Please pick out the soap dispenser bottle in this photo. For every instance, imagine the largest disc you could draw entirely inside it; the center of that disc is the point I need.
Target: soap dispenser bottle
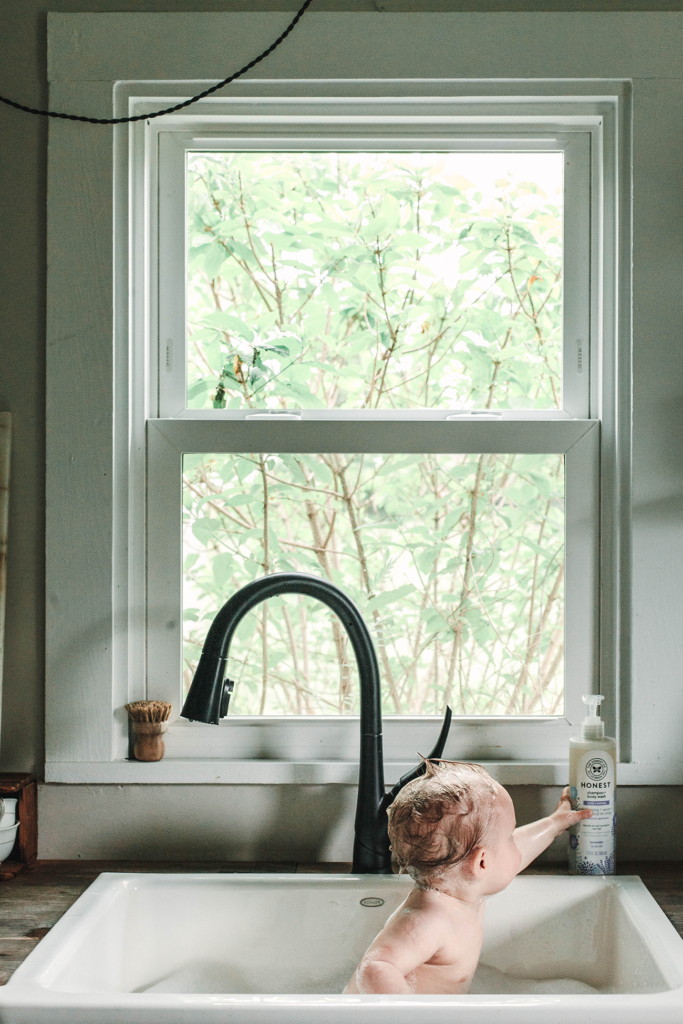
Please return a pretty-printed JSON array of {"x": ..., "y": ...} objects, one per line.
[{"x": 593, "y": 782}]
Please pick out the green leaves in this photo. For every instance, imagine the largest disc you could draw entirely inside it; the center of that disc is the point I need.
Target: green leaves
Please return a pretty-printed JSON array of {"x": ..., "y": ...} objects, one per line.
[
  {"x": 200, "y": 388},
  {"x": 223, "y": 566},
  {"x": 208, "y": 259},
  {"x": 467, "y": 615},
  {"x": 351, "y": 280},
  {"x": 231, "y": 323},
  {"x": 368, "y": 257},
  {"x": 204, "y": 529},
  {"x": 435, "y": 622},
  {"x": 390, "y": 596}
]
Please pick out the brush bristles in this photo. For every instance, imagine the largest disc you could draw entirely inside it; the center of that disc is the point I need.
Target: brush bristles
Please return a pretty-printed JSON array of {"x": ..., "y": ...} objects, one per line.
[{"x": 149, "y": 711}]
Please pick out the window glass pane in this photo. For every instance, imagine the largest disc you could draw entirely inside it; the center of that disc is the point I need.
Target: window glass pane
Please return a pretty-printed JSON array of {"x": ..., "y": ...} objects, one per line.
[
  {"x": 374, "y": 280},
  {"x": 456, "y": 562}
]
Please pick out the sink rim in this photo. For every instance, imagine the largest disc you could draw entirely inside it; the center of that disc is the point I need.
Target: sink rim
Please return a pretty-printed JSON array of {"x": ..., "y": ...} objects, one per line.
[{"x": 24, "y": 988}]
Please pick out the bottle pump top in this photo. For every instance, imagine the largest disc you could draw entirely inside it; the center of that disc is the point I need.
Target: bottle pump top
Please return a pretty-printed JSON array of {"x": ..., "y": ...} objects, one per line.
[{"x": 592, "y": 727}]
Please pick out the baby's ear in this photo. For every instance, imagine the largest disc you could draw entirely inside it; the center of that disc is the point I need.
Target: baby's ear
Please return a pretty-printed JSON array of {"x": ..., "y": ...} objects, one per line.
[{"x": 478, "y": 862}]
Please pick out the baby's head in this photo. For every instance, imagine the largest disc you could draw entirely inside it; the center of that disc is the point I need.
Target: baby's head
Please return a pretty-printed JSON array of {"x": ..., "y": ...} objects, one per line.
[{"x": 438, "y": 821}]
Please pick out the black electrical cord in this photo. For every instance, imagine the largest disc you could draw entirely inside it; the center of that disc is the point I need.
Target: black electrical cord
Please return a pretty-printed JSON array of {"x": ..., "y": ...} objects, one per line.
[{"x": 179, "y": 106}]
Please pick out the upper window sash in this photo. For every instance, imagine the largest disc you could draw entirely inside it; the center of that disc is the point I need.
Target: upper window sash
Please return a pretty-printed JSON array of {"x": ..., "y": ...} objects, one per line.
[{"x": 165, "y": 152}]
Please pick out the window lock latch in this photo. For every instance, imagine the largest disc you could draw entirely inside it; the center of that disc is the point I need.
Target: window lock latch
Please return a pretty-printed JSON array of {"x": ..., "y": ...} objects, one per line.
[
  {"x": 475, "y": 415},
  {"x": 276, "y": 415}
]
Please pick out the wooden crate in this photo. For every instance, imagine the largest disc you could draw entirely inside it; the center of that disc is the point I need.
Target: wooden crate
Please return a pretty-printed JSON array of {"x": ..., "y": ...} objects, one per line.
[{"x": 22, "y": 786}]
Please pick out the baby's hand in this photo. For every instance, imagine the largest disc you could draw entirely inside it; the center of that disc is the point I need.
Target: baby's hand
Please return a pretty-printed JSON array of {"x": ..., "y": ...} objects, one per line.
[{"x": 563, "y": 816}]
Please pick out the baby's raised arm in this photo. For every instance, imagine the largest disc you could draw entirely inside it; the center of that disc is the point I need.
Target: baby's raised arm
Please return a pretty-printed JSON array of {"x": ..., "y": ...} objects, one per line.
[
  {"x": 535, "y": 838},
  {"x": 411, "y": 937}
]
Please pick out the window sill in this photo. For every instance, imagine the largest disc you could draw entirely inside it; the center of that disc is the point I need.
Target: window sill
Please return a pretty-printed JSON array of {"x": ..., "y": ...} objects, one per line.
[{"x": 315, "y": 773}]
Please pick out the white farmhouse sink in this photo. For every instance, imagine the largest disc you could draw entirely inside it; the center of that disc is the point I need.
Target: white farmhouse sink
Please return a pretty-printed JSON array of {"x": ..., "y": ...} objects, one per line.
[{"x": 246, "y": 949}]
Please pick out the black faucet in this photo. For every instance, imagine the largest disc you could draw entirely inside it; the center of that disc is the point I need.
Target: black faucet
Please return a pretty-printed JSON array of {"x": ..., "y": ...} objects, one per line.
[{"x": 210, "y": 691}]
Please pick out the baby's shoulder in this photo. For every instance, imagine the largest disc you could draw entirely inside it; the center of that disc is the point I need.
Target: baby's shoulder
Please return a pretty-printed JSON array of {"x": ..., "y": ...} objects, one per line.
[
  {"x": 424, "y": 907},
  {"x": 435, "y": 906},
  {"x": 420, "y": 922}
]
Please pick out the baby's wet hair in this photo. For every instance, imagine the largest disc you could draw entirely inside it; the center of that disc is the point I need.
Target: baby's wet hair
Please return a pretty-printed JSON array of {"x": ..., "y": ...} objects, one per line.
[{"x": 438, "y": 819}]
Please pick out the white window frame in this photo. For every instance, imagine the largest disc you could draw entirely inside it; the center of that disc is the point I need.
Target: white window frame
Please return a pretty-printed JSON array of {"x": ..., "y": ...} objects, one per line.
[
  {"x": 529, "y": 751},
  {"x": 346, "y": 115}
]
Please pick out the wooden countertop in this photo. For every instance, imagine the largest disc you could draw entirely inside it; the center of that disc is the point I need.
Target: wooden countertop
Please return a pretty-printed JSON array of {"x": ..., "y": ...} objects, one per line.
[{"x": 35, "y": 900}]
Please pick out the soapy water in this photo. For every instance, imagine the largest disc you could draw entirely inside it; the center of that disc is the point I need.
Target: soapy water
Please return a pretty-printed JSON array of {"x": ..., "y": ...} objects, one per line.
[
  {"x": 218, "y": 977},
  {"x": 489, "y": 981}
]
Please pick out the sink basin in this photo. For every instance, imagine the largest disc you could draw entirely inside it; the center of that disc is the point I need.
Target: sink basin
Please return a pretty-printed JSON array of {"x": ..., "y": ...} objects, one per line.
[{"x": 250, "y": 949}]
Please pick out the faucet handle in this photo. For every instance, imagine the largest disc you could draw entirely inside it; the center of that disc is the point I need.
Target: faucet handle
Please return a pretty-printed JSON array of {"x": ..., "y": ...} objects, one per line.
[
  {"x": 420, "y": 769},
  {"x": 440, "y": 743},
  {"x": 228, "y": 687}
]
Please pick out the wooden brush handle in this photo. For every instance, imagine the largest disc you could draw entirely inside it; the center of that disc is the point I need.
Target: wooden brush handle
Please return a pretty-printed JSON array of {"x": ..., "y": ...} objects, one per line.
[{"x": 149, "y": 745}]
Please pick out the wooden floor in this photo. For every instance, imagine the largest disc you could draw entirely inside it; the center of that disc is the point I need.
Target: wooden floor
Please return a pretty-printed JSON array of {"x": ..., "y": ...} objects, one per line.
[{"x": 32, "y": 902}]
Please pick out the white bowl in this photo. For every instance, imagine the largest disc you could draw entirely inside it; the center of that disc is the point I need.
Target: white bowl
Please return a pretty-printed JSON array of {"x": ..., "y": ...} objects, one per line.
[
  {"x": 10, "y": 815},
  {"x": 7, "y": 837}
]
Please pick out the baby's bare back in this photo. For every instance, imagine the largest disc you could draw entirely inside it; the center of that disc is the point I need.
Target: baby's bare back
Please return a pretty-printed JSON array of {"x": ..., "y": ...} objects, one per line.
[{"x": 429, "y": 946}]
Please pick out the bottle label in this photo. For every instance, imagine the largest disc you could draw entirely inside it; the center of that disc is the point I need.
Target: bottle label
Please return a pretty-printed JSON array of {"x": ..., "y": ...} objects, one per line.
[{"x": 592, "y": 841}]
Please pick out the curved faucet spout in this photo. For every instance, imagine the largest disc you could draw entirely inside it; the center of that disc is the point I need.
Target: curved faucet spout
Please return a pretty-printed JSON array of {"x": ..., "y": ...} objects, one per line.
[{"x": 209, "y": 695}]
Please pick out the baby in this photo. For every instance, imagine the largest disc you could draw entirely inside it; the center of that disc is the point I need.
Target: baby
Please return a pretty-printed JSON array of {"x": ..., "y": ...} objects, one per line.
[{"x": 453, "y": 830}]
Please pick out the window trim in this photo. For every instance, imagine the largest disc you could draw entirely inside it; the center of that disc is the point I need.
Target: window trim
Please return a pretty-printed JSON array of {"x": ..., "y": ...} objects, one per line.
[
  {"x": 85, "y": 682},
  {"x": 280, "y": 119}
]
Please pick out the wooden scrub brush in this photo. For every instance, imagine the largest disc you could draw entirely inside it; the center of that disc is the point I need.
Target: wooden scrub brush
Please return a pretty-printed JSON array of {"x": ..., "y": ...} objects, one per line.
[{"x": 150, "y": 721}]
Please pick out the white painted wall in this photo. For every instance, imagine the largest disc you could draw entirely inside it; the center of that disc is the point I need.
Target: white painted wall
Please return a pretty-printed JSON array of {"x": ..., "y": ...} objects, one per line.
[
  {"x": 290, "y": 823},
  {"x": 315, "y": 823}
]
